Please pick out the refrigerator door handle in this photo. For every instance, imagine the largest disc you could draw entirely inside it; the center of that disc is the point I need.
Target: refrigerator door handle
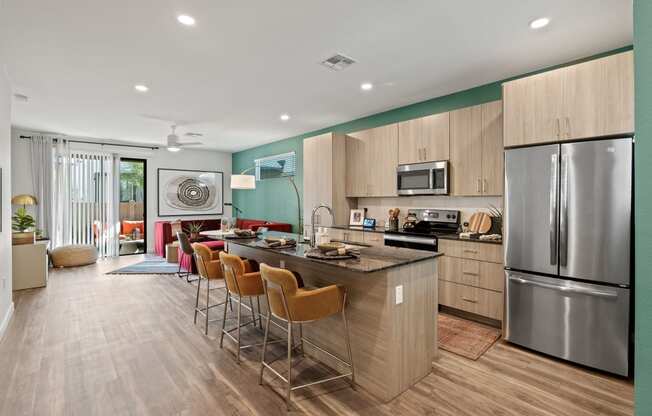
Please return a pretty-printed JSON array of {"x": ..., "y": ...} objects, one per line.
[
  {"x": 553, "y": 209},
  {"x": 565, "y": 289},
  {"x": 563, "y": 215}
]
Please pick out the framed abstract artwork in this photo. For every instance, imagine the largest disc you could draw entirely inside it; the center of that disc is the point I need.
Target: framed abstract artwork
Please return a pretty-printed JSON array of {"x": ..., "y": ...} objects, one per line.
[{"x": 190, "y": 192}]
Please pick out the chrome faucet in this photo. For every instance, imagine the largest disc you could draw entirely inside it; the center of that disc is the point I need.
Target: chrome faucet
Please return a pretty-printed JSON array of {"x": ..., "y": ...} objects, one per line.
[{"x": 312, "y": 221}]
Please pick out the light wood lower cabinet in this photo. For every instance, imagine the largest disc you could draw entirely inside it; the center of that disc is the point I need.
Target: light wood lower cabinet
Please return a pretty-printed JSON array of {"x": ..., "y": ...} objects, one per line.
[
  {"x": 471, "y": 277},
  {"x": 471, "y": 299}
]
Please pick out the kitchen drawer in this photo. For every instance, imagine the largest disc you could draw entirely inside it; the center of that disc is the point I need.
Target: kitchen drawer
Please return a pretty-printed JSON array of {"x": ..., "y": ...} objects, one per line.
[
  {"x": 472, "y": 250},
  {"x": 482, "y": 251},
  {"x": 471, "y": 299},
  {"x": 475, "y": 273},
  {"x": 374, "y": 239},
  {"x": 451, "y": 248}
]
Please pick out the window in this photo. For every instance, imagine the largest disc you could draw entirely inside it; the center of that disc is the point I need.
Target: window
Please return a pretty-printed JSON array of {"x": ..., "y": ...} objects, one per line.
[{"x": 276, "y": 166}]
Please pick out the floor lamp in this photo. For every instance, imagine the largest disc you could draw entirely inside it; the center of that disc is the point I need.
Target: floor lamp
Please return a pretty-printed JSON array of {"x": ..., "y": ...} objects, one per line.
[{"x": 244, "y": 181}]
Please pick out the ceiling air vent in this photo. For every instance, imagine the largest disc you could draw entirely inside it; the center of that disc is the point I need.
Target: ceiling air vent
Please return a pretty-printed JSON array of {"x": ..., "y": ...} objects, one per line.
[{"x": 338, "y": 62}]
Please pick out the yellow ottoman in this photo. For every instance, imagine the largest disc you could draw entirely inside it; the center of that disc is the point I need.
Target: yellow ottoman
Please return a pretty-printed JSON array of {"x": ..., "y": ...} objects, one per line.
[{"x": 74, "y": 255}]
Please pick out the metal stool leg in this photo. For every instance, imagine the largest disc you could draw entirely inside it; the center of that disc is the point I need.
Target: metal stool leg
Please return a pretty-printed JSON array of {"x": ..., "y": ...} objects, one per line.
[
  {"x": 260, "y": 312},
  {"x": 253, "y": 311},
  {"x": 262, "y": 358},
  {"x": 208, "y": 294},
  {"x": 348, "y": 348},
  {"x": 197, "y": 300},
  {"x": 239, "y": 323},
  {"x": 289, "y": 391},
  {"x": 228, "y": 300},
  {"x": 303, "y": 351}
]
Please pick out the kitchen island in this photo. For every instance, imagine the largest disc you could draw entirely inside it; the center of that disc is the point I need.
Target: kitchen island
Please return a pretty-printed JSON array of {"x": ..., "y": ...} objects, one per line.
[{"x": 393, "y": 340}]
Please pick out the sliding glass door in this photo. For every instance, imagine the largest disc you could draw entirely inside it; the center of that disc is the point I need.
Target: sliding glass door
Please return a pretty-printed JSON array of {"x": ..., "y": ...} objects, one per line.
[{"x": 133, "y": 208}]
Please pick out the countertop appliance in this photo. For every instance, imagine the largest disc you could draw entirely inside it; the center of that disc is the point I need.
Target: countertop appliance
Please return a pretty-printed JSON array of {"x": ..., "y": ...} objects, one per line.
[
  {"x": 568, "y": 228},
  {"x": 430, "y": 178},
  {"x": 423, "y": 234}
]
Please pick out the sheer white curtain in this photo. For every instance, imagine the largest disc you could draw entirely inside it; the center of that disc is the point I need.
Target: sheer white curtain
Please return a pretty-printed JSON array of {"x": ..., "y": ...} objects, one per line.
[
  {"x": 41, "y": 161},
  {"x": 86, "y": 191}
]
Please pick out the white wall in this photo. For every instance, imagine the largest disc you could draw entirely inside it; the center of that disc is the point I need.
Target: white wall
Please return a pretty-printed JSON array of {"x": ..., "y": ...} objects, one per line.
[
  {"x": 6, "y": 303},
  {"x": 186, "y": 159},
  {"x": 378, "y": 207}
]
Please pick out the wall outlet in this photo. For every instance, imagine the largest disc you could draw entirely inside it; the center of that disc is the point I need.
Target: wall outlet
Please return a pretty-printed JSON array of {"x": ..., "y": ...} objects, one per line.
[
  {"x": 399, "y": 294},
  {"x": 282, "y": 264}
]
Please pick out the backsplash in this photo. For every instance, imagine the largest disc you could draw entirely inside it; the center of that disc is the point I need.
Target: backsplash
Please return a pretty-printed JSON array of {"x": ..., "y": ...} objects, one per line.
[{"x": 378, "y": 207}]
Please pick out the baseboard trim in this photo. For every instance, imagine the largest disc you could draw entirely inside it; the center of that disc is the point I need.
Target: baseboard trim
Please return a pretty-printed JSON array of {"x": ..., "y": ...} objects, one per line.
[{"x": 5, "y": 321}]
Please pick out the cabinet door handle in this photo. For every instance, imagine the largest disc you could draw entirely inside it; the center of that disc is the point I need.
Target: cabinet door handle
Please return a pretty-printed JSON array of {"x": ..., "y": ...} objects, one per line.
[
  {"x": 479, "y": 186},
  {"x": 558, "y": 129},
  {"x": 471, "y": 273},
  {"x": 469, "y": 300},
  {"x": 568, "y": 127},
  {"x": 470, "y": 251},
  {"x": 425, "y": 153},
  {"x": 484, "y": 186}
]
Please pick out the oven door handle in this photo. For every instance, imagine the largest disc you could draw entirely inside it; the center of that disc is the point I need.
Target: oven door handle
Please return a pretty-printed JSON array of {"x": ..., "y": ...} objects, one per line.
[{"x": 411, "y": 239}]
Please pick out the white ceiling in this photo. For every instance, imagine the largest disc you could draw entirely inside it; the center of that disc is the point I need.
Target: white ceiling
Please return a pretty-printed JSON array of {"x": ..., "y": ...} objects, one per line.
[{"x": 247, "y": 62}]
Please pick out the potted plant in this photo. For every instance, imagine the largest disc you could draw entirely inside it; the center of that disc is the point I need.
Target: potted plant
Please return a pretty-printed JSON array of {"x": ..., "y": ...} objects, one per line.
[
  {"x": 194, "y": 229},
  {"x": 496, "y": 220},
  {"x": 23, "y": 227}
]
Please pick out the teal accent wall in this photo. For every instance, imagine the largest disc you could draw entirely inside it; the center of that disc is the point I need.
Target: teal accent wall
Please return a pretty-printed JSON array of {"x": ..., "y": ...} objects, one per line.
[
  {"x": 643, "y": 205},
  {"x": 274, "y": 199}
]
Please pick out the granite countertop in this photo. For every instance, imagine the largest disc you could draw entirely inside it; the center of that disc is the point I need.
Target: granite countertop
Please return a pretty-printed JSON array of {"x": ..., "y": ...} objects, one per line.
[{"x": 372, "y": 259}]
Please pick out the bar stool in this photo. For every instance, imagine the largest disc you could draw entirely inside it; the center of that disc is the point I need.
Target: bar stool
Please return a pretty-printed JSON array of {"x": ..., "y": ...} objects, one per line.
[
  {"x": 242, "y": 280},
  {"x": 290, "y": 303},
  {"x": 210, "y": 269},
  {"x": 186, "y": 249}
]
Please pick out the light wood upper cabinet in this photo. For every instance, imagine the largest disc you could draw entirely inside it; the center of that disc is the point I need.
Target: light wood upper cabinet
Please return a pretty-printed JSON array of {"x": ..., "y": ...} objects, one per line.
[
  {"x": 599, "y": 97},
  {"x": 466, "y": 151},
  {"x": 492, "y": 149},
  {"x": 590, "y": 99},
  {"x": 476, "y": 150},
  {"x": 424, "y": 139},
  {"x": 371, "y": 161},
  {"x": 324, "y": 178}
]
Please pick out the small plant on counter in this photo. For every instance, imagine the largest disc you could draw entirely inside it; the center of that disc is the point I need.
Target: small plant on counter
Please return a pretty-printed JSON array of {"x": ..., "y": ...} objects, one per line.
[
  {"x": 22, "y": 222},
  {"x": 496, "y": 220}
]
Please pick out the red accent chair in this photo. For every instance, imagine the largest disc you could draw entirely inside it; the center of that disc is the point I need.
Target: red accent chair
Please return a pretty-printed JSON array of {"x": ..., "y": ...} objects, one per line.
[{"x": 163, "y": 232}]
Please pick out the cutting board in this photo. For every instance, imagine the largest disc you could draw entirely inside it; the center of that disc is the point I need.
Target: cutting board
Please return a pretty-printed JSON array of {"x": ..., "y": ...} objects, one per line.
[{"x": 480, "y": 222}]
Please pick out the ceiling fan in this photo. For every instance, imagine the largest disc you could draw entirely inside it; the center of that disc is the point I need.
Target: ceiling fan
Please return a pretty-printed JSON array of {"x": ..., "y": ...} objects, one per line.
[{"x": 174, "y": 145}]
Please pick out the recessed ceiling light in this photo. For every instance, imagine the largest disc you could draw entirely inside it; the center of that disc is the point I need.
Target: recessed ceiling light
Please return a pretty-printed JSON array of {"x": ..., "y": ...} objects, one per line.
[
  {"x": 184, "y": 19},
  {"x": 285, "y": 117},
  {"x": 174, "y": 149},
  {"x": 539, "y": 23},
  {"x": 366, "y": 86},
  {"x": 141, "y": 88}
]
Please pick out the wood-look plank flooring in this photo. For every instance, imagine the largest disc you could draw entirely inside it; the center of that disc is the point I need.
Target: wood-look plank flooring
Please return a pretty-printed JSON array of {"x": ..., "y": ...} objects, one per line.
[{"x": 95, "y": 344}]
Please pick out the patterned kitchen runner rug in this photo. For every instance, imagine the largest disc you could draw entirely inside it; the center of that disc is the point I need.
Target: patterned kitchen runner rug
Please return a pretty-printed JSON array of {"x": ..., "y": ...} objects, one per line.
[{"x": 465, "y": 338}]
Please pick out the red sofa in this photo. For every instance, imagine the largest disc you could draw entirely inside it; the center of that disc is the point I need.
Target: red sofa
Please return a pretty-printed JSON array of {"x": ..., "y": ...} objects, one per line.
[{"x": 163, "y": 230}]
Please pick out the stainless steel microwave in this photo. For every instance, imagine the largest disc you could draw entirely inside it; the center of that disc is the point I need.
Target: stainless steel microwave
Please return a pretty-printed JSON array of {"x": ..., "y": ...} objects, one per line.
[{"x": 429, "y": 178}]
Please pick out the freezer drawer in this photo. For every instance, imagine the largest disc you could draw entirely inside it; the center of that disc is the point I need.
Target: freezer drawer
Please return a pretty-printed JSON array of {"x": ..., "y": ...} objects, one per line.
[{"x": 584, "y": 323}]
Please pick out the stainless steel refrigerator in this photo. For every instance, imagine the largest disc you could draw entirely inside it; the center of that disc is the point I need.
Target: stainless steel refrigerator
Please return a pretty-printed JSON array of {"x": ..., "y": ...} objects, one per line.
[{"x": 568, "y": 228}]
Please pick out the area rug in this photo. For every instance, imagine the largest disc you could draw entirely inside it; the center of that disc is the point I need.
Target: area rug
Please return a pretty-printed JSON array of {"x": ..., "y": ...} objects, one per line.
[
  {"x": 466, "y": 338},
  {"x": 151, "y": 265}
]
